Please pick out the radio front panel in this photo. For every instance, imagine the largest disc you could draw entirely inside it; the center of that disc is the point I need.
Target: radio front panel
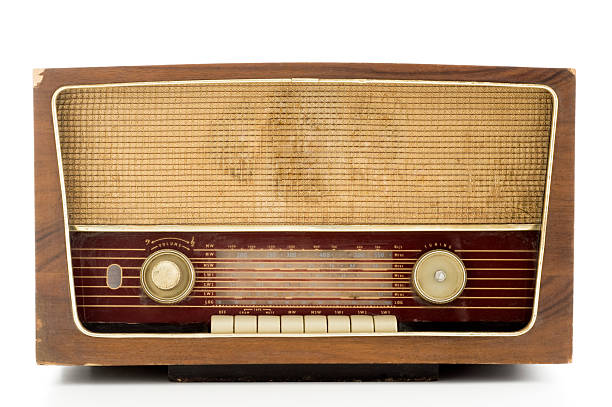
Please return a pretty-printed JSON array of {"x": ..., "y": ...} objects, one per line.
[
  {"x": 305, "y": 206},
  {"x": 306, "y": 273}
]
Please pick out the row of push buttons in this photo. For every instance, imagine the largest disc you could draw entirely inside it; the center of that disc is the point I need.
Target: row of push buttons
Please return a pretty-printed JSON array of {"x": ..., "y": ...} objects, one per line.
[{"x": 298, "y": 324}]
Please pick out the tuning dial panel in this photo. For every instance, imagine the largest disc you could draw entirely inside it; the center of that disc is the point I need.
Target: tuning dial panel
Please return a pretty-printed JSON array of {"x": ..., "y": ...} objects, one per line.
[
  {"x": 311, "y": 283},
  {"x": 439, "y": 276},
  {"x": 167, "y": 276}
]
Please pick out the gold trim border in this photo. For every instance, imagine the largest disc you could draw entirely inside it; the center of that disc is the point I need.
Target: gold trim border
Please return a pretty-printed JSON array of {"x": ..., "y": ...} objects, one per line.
[
  {"x": 302, "y": 228},
  {"x": 542, "y": 228}
]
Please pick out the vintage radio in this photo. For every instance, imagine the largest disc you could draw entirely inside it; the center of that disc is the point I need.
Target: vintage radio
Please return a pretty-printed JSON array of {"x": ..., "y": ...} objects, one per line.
[{"x": 300, "y": 216}]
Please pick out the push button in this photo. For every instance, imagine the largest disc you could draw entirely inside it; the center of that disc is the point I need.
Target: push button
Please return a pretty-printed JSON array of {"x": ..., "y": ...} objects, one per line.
[
  {"x": 222, "y": 324},
  {"x": 315, "y": 324},
  {"x": 385, "y": 323},
  {"x": 268, "y": 324},
  {"x": 292, "y": 324},
  {"x": 362, "y": 324},
  {"x": 245, "y": 324},
  {"x": 338, "y": 324}
]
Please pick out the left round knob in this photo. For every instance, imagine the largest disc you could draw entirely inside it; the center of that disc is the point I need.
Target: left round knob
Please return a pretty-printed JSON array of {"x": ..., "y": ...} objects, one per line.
[{"x": 167, "y": 276}]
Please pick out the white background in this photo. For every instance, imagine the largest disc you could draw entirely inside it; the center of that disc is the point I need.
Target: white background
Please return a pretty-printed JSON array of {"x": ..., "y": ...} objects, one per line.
[{"x": 517, "y": 33}]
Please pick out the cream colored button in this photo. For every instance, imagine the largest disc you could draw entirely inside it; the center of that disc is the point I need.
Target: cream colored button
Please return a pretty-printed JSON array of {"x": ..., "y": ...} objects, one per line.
[
  {"x": 338, "y": 324},
  {"x": 362, "y": 324},
  {"x": 292, "y": 324},
  {"x": 268, "y": 324},
  {"x": 385, "y": 323},
  {"x": 245, "y": 324},
  {"x": 222, "y": 324},
  {"x": 315, "y": 324}
]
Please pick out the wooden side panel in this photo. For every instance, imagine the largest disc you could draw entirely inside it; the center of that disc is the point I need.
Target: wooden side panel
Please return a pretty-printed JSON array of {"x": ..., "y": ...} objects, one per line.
[{"x": 59, "y": 342}]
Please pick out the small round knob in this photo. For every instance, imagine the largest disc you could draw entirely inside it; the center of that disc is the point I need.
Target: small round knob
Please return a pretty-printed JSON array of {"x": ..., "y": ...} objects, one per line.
[
  {"x": 439, "y": 276},
  {"x": 167, "y": 276}
]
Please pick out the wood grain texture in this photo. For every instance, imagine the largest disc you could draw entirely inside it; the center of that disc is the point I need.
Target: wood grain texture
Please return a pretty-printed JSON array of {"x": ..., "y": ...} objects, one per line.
[{"x": 59, "y": 342}]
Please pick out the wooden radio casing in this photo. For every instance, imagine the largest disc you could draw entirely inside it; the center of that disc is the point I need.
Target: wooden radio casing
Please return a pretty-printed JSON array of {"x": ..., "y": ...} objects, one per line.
[{"x": 58, "y": 341}]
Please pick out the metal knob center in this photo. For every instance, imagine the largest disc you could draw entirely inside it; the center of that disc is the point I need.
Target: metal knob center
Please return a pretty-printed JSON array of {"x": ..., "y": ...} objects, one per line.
[{"x": 440, "y": 276}]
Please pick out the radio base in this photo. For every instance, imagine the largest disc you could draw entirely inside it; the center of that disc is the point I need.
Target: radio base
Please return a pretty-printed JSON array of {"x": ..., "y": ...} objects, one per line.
[{"x": 305, "y": 373}]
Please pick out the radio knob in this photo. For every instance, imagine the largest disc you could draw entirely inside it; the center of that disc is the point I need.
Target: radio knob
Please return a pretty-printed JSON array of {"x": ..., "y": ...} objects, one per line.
[
  {"x": 167, "y": 276},
  {"x": 439, "y": 276}
]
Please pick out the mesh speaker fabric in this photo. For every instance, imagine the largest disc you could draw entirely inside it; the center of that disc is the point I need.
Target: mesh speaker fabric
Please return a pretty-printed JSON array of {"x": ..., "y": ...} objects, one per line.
[{"x": 304, "y": 153}]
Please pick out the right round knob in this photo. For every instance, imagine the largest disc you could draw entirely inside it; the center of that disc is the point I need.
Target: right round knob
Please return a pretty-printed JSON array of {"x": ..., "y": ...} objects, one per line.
[{"x": 439, "y": 276}]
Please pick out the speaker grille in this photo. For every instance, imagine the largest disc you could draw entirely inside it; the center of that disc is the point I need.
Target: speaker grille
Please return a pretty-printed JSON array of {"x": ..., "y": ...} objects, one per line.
[{"x": 304, "y": 153}]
